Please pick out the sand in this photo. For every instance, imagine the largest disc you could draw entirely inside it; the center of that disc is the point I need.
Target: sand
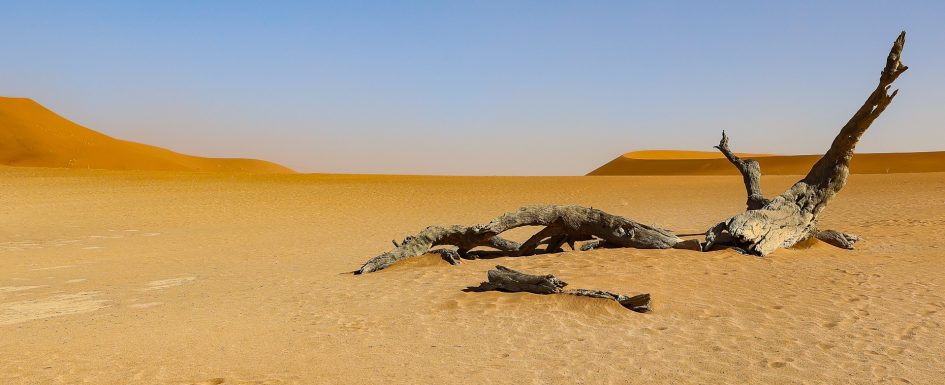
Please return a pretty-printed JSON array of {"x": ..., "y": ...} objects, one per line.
[
  {"x": 179, "y": 278},
  {"x": 670, "y": 162},
  {"x": 32, "y": 135}
]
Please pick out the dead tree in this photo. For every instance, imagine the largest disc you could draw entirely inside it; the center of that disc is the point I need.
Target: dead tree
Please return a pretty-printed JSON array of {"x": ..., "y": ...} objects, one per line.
[
  {"x": 562, "y": 225},
  {"x": 766, "y": 225},
  {"x": 508, "y": 280},
  {"x": 791, "y": 217},
  {"x": 751, "y": 174}
]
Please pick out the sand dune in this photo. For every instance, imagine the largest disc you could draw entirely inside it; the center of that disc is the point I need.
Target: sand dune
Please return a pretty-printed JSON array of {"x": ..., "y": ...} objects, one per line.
[
  {"x": 190, "y": 278},
  {"x": 668, "y": 162},
  {"x": 682, "y": 154},
  {"x": 31, "y": 135}
]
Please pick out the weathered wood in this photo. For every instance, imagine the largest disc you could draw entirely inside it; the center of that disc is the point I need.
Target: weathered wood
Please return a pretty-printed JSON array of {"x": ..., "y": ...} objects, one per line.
[
  {"x": 751, "y": 174},
  {"x": 462, "y": 237},
  {"x": 639, "y": 303},
  {"x": 582, "y": 222},
  {"x": 836, "y": 238},
  {"x": 792, "y": 216},
  {"x": 562, "y": 224},
  {"x": 505, "y": 279}
]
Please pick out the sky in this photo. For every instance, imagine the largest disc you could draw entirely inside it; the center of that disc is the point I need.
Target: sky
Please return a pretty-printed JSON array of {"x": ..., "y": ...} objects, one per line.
[{"x": 475, "y": 87}]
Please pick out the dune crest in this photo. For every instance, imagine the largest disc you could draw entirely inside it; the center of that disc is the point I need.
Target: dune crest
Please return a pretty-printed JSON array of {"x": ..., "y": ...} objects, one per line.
[
  {"x": 683, "y": 154},
  {"x": 669, "y": 162},
  {"x": 34, "y": 136}
]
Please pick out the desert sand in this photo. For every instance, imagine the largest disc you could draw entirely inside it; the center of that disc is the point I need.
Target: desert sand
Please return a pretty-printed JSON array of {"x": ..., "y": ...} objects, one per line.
[
  {"x": 32, "y": 135},
  {"x": 670, "y": 162},
  {"x": 137, "y": 277}
]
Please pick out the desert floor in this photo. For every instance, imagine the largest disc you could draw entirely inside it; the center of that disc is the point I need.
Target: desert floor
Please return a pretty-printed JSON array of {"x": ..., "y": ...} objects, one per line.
[{"x": 154, "y": 278}]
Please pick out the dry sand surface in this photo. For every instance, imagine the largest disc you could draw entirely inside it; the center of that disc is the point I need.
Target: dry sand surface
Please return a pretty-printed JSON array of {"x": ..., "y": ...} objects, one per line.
[
  {"x": 113, "y": 277},
  {"x": 670, "y": 162},
  {"x": 32, "y": 135}
]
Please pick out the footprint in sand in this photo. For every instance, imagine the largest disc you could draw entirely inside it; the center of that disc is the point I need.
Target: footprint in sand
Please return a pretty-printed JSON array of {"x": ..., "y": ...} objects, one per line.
[
  {"x": 57, "y": 305},
  {"x": 166, "y": 283}
]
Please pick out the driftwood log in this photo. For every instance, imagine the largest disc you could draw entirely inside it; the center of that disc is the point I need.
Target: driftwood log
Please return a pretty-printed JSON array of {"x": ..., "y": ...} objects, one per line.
[
  {"x": 562, "y": 225},
  {"x": 791, "y": 217},
  {"x": 765, "y": 226},
  {"x": 508, "y": 280}
]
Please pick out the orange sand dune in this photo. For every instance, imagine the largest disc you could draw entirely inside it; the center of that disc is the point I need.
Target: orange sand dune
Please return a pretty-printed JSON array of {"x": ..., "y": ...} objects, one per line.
[
  {"x": 665, "y": 162},
  {"x": 32, "y": 135},
  {"x": 682, "y": 154}
]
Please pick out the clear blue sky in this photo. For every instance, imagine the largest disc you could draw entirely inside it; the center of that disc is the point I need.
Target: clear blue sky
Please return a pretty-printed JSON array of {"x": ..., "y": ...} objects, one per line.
[{"x": 475, "y": 87}]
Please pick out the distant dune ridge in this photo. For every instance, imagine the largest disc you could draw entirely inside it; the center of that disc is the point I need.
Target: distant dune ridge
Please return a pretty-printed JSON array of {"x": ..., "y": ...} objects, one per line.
[
  {"x": 32, "y": 135},
  {"x": 669, "y": 162}
]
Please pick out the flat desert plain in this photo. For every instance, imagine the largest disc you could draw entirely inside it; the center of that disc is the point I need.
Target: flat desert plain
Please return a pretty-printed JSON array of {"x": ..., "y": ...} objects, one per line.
[{"x": 135, "y": 277}]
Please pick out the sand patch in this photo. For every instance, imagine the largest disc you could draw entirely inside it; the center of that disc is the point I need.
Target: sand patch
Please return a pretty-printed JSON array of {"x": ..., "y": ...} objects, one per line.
[
  {"x": 166, "y": 283},
  {"x": 212, "y": 381},
  {"x": 57, "y": 305},
  {"x": 145, "y": 305},
  {"x": 52, "y": 268},
  {"x": 10, "y": 289},
  {"x": 271, "y": 253},
  {"x": 20, "y": 245},
  {"x": 105, "y": 236}
]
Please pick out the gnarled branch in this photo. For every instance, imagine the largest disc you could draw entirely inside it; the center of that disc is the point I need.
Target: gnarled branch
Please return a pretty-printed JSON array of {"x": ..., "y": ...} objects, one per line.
[
  {"x": 563, "y": 224},
  {"x": 751, "y": 174}
]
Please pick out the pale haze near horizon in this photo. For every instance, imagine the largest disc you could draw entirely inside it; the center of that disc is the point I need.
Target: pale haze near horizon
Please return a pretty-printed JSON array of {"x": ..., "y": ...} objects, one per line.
[{"x": 475, "y": 88}]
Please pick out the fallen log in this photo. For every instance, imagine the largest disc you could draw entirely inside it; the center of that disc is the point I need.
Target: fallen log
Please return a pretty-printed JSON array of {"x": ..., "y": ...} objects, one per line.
[
  {"x": 562, "y": 225},
  {"x": 508, "y": 280}
]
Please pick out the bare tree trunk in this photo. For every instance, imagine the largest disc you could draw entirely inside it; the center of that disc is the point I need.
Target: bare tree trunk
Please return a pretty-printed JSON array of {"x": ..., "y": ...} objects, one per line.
[
  {"x": 751, "y": 174},
  {"x": 792, "y": 216},
  {"x": 505, "y": 279}
]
